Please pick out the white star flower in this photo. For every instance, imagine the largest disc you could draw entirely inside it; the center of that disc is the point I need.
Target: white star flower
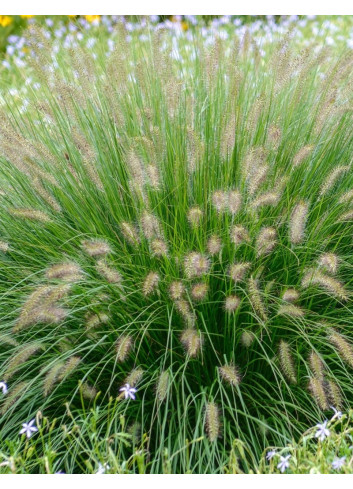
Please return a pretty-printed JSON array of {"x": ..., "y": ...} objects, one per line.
[
  {"x": 284, "y": 464},
  {"x": 270, "y": 454},
  {"x": 29, "y": 428},
  {"x": 338, "y": 463},
  {"x": 128, "y": 391},
  {"x": 337, "y": 414},
  {"x": 102, "y": 468},
  {"x": 3, "y": 387},
  {"x": 322, "y": 432}
]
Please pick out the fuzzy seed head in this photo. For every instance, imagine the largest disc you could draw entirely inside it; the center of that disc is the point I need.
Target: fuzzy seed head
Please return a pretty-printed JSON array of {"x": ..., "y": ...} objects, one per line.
[
  {"x": 234, "y": 202},
  {"x": 287, "y": 363},
  {"x": 329, "y": 262},
  {"x": 70, "y": 365},
  {"x": 111, "y": 275},
  {"x": 274, "y": 136},
  {"x": 256, "y": 299},
  {"x": 332, "y": 286},
  {"x": 316, "y": 366},
  {"x": 220, "y": 200},
  {"x": 183, "y": 307},
  {"x": 214, "y": 245},
  {"x": 290, "y": 295},
  {"x": 52, "y": 377},
  {"x": 150, "y": 225},
  {"x": 69, "y": 272},
  {"x": 191, "y": 340},
  {"x": 130, "y": 233},
  {"x": 30, "y": 214},
  {"x": 344, "y": 348},
  {"x": 267, "y": 198},
  {"x": 332, "y": 178},
  {"x": 95, "y": 320},
  {"x": 4, "y": 247},
  {"x": 123, "y": 347},
  {"x": 256, "y": 179},
  {"x": 162, "y": 386},
  {"x": 159, "y": 247},
  {"x": 213, "y": 424},
  {"x": 134, "y": 377},
  {"x": 153, "y": 176},
  {"x": 298, "y": 222},
  {"x": 266, "y": 241},
  {"x": 247, "y": 338},
  {"x": 20, "y": 358},
  {"x": 150, "y": 284},
  {"x": 346, "y": 197},
  {"x": 231, "y": 304},
  {"x": 346, "y": 216},
  {"x": 334, "y": 394},
  {"x": 290, "y": 310},
  {"x": 230, "y": 374},
  {"x": 237, "y": 271},
  {"x": 199, "y": 291},
  {"x": 176, "y": 290},
  {"x": 302, "y": 155},
  {"x": 317, "y": 390},
  {"x": 88, "y": 391},
  {"x": 196, "y": 265},
  {"x": 194, "y": 216},
  {"x": 96, "y": 247}
]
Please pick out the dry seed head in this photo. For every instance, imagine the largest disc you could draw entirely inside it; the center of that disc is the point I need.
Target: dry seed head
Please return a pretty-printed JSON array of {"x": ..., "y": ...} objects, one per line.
[
  {"x": 153, "y": 176},
  {"x": 302, "y": 155},
  {"x": 344, "y": 348},
  {"x": 30, "y": 308},
  {"x": 88, "y": 391},
  {"x": 191, "y": 341},
  {"x": 46, "y": 196},
  {"x": 95, "y": 320},
  {"x": 346, "y": 197},
  {"x": 287, "y": 362},
  {"x": 183, "y": 307},
  {"x": 247, "y": 338},
  {"x": 70, "y": 272},
  {"x": 232, "y": 303},
  {"x": 111, "y": 275},
  {"x": 176, "y": 290},
  {"x": 238, "y": 235},
  {"x": 136, "y": 168},
  {"x": 130, "y": 233},
  {"x": 51, "y": 377},
  {"x": 196, "y": 265},
  {"x": 297, "y": 223},
  {"x": 57, "y": 293},
  {"x": 4, "y": 247},
  {"x": 329, "y": 261},
  {"x": 13, "y": 396},
  {"x": 237, "y": 271},
  {"x": 31, "y": 214},
  {"x": 162, "y": 386},
  {"x": 220, "y": 200},
  {"x": 150, "y": 283},
  {"x": 347, "y": 216},
  {"x": 213, "y": 424},
  {"x": 334, "y": 394},
  {"x": 267, "y": 198},
  {"x": 150, "y": 225},
  {"x": 256, "y": 178},
  {"x": 256, "y": 299},
  {"x": 234, "y": 201},
  {"x": 290, "y": 310},
  {"x": 70, "y": 365},
  {"x": 50, "y": 315},
  {"x": 266, "y": 241},
  {"x": 230, "y": 374},
  {"x": 316, "y": 388},
  {"x": 22, "y": 355},
  {"x": 316, "y": 366},
  {"x": 123, "y": 347},
  {"x": 274, "y": 136},
  {"x": 96, "y": 247},
  {"x": 6, "y": 339},
  {"x": 290, "y": 295},
  {"x": 332, "y": 178},
  {"x": 199, "y": 291},
  {"x": 159, "y": 247},
  {"x": 214, "y": 245},
  {"x": 134, "y": 377},
  {"x": 194, "y": 216},
  {"x": 331, "y": 285}
]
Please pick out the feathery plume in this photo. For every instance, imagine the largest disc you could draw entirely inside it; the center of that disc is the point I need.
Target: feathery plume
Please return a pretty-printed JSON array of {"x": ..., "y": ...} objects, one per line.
[
  {"x": 183, "y": 307},
  {"x": 31, "y": 214},
  {"x": 266, "y": 241},
  {"x": 247, "y": 338},
  {"x": 196, "y": 265},
  {"x": 290, "y": 310},
  {"x": 95, "y": 320},
  {"x": 30, "y": 307},
  {"x": 88, "y": 391},
  {"x": 274, "y": 136},
  {"x": 194, "y": 216},
  {"x": 162, "y": 386},
  {"x": 347, "y": 216},
  {"x": 316, "y": 366},
  {"x": 256, "y": 178},
  {"x": 220, "y": 200},
  {"x": 290, "y": 295},
  {"x": 234, "y": 201},
  {"x": 287, "y": 362},
  {"x": 134, "y": 377},
  {"x": 237, "y": 271},
  {"x": 6, "y": 339},
  {"x": 22, "y": 355},
  {"x": 238, "y": 235},
  {"x": 4, "y": 247},
  {"x": 96, "y": 247},
  {"x": 317, "y": 390},
  {"x": 69, "y": 272},
  {"x": 153, "y": 176},
  {"x": 52, "y": 377},
  {"x": 332, "y": 178},
  {"x": 192, "y": 341},
  {"x": 302, "y": 155},
  {"x": 256, "y": 299},
  {"x": 346, "y": 197},
  {"x": 176, "y": 290},
  {"x": 344, "y": 348},
  {"x": 213, "y": 424},
  {"x": 329, "y": 261},
  {"x": 150, "y": 283},
  {"x": 46, "y": 196},
  {"x": 159, "y": 247},
  {"x": 130, "y": 233},
  {"x": 150, "y": 225},
  {"x": 123, "y": 347},
  {"x": 136, "y": 168},
  {"x": 111, "y": 275},
  {"x": 232, "y": 303},
  {"x": 230, "y": 374},
  {"x": 297, "y": 223},
  {"x": 69, "y": 367},
  {"x": 334, "y": 394},
  {"x": 13, "y": 396},
  {"x": 214, "y": 245},
  {"x": 199, "y": 291},
  {"x": 331, "y": 285},
  {"x": 267, "y": 198}
]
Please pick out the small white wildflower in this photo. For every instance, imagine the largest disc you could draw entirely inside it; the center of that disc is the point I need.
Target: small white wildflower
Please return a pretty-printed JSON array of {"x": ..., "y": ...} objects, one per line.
[
  {"x": 322, "y": 432},
  {"x": 270, "y": 454},
  {"x": 284, "y": 464},
  {"x": 128, "y": 391},
  {"x": 29, "y": 428},
  {"x": 338, "y": 463},
  {"x": 102, "y": 468},
  {"x": 3, "y": 387},
  {"x": 337, "y": 414}
]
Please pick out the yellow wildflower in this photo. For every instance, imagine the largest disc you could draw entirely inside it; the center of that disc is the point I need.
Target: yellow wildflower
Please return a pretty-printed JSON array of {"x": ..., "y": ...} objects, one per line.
[
  {"x": 5, "y": 20},
  {"x": 93, "y": 18}
]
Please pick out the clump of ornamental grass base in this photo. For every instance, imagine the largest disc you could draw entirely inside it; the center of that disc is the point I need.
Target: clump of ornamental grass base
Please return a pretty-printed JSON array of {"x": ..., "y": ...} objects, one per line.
[{"x": 183, "y": 226}]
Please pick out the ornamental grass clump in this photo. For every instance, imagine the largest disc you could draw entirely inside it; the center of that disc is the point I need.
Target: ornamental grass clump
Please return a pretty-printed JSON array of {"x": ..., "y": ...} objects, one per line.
[{"x": 192, "y": 238}]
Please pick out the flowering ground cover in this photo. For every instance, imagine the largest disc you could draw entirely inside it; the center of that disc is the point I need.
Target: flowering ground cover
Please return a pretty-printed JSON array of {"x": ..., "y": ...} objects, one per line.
[{"x": 175, "y": 246}]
